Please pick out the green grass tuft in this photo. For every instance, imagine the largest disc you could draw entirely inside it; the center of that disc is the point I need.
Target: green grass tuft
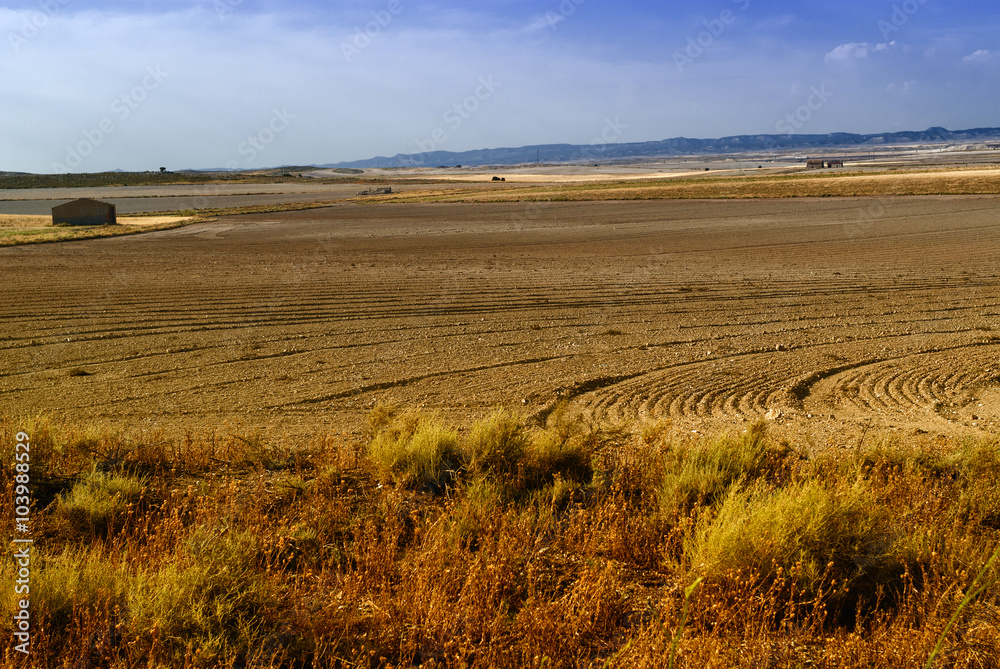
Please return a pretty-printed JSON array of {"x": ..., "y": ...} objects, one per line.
[
  {"x": 417, "y": 448},
  {"x": 97, "y": 501},
  {"x": 704, "y": 472},
  {"x": 496, "y": 446},
  {"x": 818, "y": 538},
  {"x": 214, "y": 598}
]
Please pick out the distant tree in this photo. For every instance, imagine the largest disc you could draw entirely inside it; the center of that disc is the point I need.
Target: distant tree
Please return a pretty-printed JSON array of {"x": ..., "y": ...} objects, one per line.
[{"x": 162, "y": 170}]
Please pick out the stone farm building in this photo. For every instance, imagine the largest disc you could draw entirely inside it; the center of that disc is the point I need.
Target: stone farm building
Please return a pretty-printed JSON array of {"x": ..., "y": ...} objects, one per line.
[
  {"x": 84, "y": 212},
  {"x": 818, "y": 164}
]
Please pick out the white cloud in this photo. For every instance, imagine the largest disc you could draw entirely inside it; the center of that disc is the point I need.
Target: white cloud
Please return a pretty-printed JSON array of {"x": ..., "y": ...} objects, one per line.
[
  {"x": 852, "y": 51},
  {"x": 983, "y": 57}
]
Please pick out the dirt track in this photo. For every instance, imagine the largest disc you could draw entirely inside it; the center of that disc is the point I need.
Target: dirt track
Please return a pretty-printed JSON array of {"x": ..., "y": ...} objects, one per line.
[{"x": 825, "y": 314}]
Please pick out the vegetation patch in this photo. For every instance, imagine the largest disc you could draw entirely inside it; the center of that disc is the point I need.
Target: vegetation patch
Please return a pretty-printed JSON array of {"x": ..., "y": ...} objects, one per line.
[{"x": 505, "y": 544}]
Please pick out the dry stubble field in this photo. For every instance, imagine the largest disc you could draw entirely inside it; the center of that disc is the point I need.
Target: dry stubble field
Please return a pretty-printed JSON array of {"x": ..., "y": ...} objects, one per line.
[{"x": 829, "y": 316}]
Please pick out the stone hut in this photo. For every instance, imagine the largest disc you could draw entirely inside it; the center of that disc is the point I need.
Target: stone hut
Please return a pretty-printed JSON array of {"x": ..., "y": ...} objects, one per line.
[
  {"x": 84, "y": 212},
  {"x": 815, "y": 164},
  {"x": 835, "y": 163}
]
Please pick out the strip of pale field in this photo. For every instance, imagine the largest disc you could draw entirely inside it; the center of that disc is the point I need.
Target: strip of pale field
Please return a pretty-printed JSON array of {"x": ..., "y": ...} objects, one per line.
[
  {"x": 15, "y": 229},
  {"x": 889, "y": 184},
  {"x": 20, "y": 229}
]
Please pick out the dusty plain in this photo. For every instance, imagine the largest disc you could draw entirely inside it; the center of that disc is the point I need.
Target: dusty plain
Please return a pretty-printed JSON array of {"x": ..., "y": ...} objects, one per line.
[{"x": 831, "y": 317}]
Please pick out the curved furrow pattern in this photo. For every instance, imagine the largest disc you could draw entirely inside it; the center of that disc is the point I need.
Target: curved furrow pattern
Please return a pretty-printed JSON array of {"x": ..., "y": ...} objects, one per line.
[
  {"x": 746, "y": 385},
  {"x": 915, "y": 386}
]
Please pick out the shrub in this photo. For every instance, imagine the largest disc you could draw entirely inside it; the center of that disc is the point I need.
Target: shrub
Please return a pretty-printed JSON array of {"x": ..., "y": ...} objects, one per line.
[
  {"x": 70, "y": 584},
  {"x": 417, "y": 448},
  {"x": 480, "y": 500},
  {"x": 214, "y": 598},
  {"x": 551, "y": 457},
  {"x": 819, "y": 538},
  {"x": 704, "y": 473},
  {"x": 496, "y": 446},
  {"x": 99, "y": 500},
  {"x": 566, "y": 448},
  {"x": 979, "y": 469}
]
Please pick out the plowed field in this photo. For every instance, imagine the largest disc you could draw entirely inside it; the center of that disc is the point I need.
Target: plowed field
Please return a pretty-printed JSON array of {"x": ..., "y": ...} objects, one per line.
[{"x": 828, "y": 316}]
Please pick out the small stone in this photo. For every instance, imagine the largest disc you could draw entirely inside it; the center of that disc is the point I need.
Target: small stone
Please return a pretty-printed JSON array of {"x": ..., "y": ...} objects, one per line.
[{"x": 780, "y": 347}]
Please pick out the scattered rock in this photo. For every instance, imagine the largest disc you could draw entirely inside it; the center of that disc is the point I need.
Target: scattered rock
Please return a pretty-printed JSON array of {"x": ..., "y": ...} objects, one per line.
[
  {"x": 780, "y": 347},
  {"x": 773, "y": 414}
]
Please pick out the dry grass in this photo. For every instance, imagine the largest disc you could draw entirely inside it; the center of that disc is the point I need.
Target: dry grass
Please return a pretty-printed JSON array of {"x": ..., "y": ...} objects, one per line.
[
  {"x": 15, "y": 230},
  {"x": 847, "y": 184},
  {"x": 153, "y": 220},
  {"x": 546, "y": 546},
  {"x": 24, "y": 221}
]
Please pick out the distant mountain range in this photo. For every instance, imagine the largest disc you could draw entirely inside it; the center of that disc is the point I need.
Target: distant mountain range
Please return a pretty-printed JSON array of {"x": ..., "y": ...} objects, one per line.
[{"x": 679, "y": 146}]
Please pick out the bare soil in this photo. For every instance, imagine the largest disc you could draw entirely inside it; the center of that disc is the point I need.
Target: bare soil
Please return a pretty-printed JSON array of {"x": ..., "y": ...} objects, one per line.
[{"x": 832, "y": 317}]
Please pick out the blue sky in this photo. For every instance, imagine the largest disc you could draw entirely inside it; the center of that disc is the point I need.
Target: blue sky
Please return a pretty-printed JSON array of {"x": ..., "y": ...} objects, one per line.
[{"x": 119, "y": 84}]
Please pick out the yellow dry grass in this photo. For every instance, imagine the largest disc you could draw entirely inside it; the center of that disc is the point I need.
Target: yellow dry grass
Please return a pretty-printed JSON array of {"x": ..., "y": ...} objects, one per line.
[
  {"x": 152, "y": 220},
  {"x": 23, "y": 221},
  {"x": 26, "y": 229},
  {"x": 883, "y": 184},
  {"x": 570, "y": 546}
]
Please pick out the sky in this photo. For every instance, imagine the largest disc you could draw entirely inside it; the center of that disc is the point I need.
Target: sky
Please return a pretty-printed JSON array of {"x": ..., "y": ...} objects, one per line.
[{"x": 138, "y": 84}]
